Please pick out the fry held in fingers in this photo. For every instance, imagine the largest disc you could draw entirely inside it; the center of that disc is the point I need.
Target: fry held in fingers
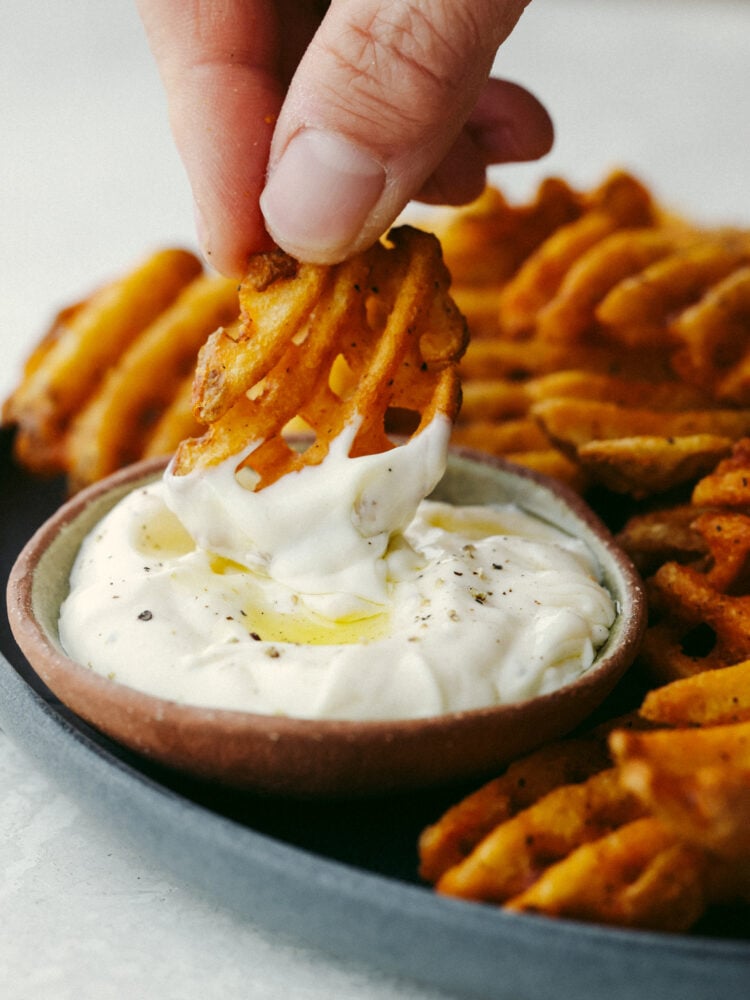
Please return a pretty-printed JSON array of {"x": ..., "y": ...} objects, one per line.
[{"x": 385, "y": 314}]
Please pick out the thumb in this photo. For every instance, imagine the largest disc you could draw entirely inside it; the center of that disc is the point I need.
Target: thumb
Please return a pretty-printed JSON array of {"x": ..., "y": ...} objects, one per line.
[{"x": 379, "y": 101}]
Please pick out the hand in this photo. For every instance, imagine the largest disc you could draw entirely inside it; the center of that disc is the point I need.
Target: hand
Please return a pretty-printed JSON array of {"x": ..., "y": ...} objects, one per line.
[{"x": 317, "y": 123}]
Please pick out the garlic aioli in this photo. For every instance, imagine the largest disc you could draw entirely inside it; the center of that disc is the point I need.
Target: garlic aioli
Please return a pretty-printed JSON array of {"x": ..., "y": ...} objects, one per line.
[{"x": 337, "y": 592}]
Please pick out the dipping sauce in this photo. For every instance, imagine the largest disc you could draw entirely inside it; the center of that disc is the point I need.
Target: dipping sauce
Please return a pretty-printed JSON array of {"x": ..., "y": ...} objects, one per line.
[{"x": 337, "y": 592}]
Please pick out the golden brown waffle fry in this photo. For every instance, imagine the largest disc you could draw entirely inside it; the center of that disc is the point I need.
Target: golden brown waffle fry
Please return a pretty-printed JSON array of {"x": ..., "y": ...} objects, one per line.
[
  {"x": 697, "y": 781},
  {"x": 551, "y": 462},
  {"x": 114, "y": 427},
  {"x": 640, "y": 875},
  {"x": 714, "y": 339},
  {"x": 663, "y": 535},
  {"x": 573, "y": 422},
  {"x": 729, "y": 484},
  {"x": 449, "y": 841},
  {"x": 516, "y": 852},
  {"x": 523, "y": 434},
  {"x": 486, "y": 242},
  {"x": 713, "y": 697},
  {"x": 644, "y": 465},
  {"x": 84, "y": 343},
  {"x": 621, "y": 203},
  {"x": 702, "y": 615},
  {"x": 638, "y": 310},
  {"x": 572, "y": 311},
  {"x": 386, "y": 312}
]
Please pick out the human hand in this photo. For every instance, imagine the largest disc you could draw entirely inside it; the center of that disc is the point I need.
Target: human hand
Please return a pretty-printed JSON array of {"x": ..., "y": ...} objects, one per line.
[{"x": 316, "y": 123}]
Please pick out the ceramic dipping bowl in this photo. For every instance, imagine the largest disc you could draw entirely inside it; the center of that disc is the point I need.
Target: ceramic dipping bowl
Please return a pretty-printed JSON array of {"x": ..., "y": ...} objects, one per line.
[{"x": 310, "y": 758}]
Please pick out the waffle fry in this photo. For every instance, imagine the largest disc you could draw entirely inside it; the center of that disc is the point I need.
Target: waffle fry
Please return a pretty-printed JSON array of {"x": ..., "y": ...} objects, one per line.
[
  {"x": 516, "y": 852},
  {"x": 620, "y": 287},
  {"x": 573, "y": 310},
  {"x": 115, "y": 425},
  {"x": 621, "y": 203},
  {"x": 176, "y": 423},
  {"x": 696, "y": 781},
  {"x": 452, "y": 839},
  {"x": 386, "y": 312},
  {"x": 701, "y": 615},
  {"x": 84, "y": 343},
  {"x": 644, "y": 465},
  {"x": 637, "y": 311},
  {"x": 663, "y": 535},
  {"x": 488, "y": 241},
  {"x": 640, "y": 875},
  {"x": 714, "y": 339},
  {"x": 729, "y": 483},
  {"x": 710, "y": 698}
]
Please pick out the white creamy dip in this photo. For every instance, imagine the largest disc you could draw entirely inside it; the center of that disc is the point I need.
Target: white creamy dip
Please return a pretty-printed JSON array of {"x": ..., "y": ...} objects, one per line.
[{"x": 336, "y": 592}]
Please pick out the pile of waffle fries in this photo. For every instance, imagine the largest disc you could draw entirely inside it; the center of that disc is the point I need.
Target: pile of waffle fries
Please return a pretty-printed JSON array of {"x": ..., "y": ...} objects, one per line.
[{"x": 610, "y": 347}]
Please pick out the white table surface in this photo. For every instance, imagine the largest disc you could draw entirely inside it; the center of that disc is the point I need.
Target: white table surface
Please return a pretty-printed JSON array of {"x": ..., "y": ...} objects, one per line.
[{"x": 89, "y": 182}]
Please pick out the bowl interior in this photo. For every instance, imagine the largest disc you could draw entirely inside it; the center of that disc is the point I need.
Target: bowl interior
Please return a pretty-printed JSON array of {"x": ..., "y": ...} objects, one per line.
[{"x": 313, "y": 758}]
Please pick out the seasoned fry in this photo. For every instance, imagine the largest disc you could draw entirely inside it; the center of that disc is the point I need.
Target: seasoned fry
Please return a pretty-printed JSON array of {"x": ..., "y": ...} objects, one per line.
[
  {"x": 113, "y": 428},
  {"x": 517, "y": 851},
  {"x": 640, "y": 875},
  {"x": 644, "y": 465},
  {"x": 572, "y": 311},
  {"x": 486, "y": 242},
  {"x": 449, "y": 841},
  {"x": 621, "y": 203},
  {"x": 576, "y": 422},
  {"x": 523, "y": 434},
  {"x": 714, "y": 338},
  {"x": 638, "y": 310},
  {"x": 697, "y": 781},
  {"x": 663, "y": 535},
  {"x": 84, "y": 343},
  {"x": 387, "y": 312},
  {"x": 175, "y": 424},
  {"x": 710, "y": 698},
  {"x": 729, "y": 484}
]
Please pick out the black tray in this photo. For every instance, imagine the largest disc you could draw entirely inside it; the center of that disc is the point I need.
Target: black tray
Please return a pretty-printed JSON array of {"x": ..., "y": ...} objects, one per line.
[{"x": 340, "y": 877}]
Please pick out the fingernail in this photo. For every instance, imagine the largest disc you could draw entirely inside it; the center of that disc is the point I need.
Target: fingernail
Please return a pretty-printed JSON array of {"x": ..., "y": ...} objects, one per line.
[{"x": 320, "y": 194}]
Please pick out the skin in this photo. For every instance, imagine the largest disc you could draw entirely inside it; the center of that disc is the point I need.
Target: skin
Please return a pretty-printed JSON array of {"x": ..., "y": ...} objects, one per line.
[{"x": 312, "y": 125}]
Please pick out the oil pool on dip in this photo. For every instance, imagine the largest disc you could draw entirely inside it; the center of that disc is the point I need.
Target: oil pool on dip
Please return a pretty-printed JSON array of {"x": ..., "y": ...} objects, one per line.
[{"x": 336, "y": 592}]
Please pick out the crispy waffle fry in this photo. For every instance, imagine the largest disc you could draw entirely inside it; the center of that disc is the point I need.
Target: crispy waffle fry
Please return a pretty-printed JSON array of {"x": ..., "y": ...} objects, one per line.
[
  {"x": 697, "y": 781},
  {"x": 572, "y": 311},
  {"x": 522, "y": 434},
  {"x": 701, "y": 615},
  {"x": 638, "y": 310},
  {"x": 452, "y": 839},
  {"x": 714, "y": 339},
  {"x": 176, "y": 423},
  {"x": 84, "y": 343},
  {"x": 640, "y": 875},
  {"x": 114, "y": 427},
  {"x": 729, "y": 484},
  {"x": 710, "y": 698},
  {"x": 386, "y": 312},
  {"x": 516, "y": 852},
  {"x": 487, "y": 241},
  {"x": 663, "y": 535},
  {"x": 621, "y": 202},
  {"x": 573, "y": 422},
  {"x": 645, "y": 464}
]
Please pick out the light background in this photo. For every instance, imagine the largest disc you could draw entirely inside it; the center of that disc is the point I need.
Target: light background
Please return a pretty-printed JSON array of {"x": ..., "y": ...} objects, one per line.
[{"x": 89, "y": 182}]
